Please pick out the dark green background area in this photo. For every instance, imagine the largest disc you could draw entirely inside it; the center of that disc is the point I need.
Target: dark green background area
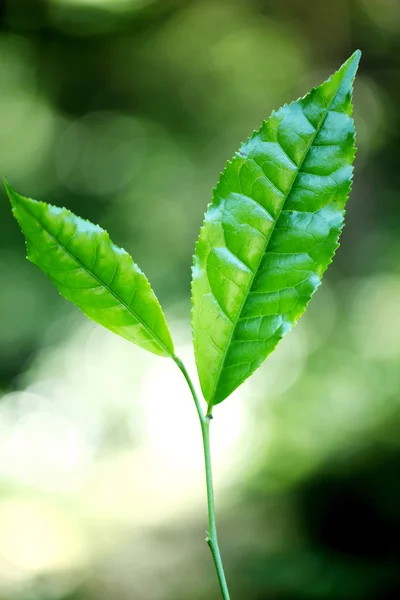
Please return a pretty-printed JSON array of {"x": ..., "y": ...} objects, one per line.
[{"x": 126, "y": 111}]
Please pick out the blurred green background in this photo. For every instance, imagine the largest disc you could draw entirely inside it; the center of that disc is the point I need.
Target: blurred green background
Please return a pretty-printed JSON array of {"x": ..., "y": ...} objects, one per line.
[{"x": 125, "y": 111}]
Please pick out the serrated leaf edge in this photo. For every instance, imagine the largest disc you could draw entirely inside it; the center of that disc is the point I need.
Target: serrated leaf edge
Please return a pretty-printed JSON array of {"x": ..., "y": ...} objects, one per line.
[
  {"x": 14, "y": 208},
  {"x": 229, "y": 162}
]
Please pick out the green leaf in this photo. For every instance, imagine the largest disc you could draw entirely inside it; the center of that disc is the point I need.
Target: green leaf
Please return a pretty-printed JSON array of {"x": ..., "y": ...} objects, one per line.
[
  {"x": 270, "y": 232},
  {"x": 93, "y": 273}
]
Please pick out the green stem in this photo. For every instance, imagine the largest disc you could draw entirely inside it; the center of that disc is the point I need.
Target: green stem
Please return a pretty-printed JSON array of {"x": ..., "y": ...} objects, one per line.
[{"x": 212, "y": 539}]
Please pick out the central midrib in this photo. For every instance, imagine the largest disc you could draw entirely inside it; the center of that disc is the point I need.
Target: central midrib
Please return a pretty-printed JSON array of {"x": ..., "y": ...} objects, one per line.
[
  {"x": 91, "y": 274},
  {"x": 234, "y": 325}
]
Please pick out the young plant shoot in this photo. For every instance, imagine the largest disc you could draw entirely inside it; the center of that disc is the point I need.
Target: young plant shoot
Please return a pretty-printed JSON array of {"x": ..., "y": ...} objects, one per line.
[{"x": 269, "y": 234}]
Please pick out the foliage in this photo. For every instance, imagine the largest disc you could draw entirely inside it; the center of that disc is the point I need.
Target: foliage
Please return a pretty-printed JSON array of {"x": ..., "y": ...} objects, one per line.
[
  {"x": 92, "y": 272},
  {"x": 269, "y": 234}
]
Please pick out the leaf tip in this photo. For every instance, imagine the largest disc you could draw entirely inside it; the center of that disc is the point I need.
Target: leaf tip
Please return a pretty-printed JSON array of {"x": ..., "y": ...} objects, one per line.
[
  {"x": 13, "y": 195},
  {"x": 355, "y": 59},
  {"x": 352, "y": 63},
  {"x": 10, "y": 191}
]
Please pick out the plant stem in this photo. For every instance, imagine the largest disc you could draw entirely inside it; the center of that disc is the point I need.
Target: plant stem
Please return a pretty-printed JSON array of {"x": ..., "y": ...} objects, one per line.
[{"x": 211, "y": 539}]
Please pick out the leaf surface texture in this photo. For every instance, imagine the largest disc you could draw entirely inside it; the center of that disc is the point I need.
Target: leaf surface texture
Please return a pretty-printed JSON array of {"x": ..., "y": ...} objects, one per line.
[
  {"x": 92, "y": 272},
  {"x": 270, "y": 232}
]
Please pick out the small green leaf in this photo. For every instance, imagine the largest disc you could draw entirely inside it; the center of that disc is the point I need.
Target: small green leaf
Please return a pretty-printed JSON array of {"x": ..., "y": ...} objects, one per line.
[
  {"x": 93, "y": 273},
  {"x": 270, "y": 232}
]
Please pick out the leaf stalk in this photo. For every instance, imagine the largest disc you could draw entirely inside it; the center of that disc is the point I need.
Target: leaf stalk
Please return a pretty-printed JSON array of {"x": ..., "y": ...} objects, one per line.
[{"x": 212, "y": 538}]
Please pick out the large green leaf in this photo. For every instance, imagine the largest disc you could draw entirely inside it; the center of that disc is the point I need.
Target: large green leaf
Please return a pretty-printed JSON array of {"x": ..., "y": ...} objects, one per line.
[
  {"x": 92, "y": 272},
  {"x": 270, "y": 232}
]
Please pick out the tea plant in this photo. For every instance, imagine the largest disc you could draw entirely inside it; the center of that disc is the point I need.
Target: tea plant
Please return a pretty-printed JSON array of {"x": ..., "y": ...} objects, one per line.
[{"x": 269, "y": 234}]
